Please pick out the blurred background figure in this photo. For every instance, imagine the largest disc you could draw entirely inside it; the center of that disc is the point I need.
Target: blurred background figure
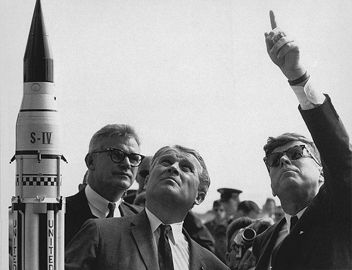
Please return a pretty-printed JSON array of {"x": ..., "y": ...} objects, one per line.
[
  {"x": 240, "y": 236},
  {"x": 269, "y": 208},
  {"x": 219, "y": 216},
  {"x": 279, "y": 213},
  {"x": 140, "y": 199},
  {"x": 232, "y": 256},
  {"x": 230, "y": 198},
  {"x": 84, "y": 182},
  {"x": 247, "y": 209},
  {"x": 130, "y": 195},
  {"x": 143, "y": 172}
]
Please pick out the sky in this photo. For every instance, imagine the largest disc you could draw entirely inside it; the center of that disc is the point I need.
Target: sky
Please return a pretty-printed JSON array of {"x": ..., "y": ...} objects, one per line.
[{"x": 189, "y": 72}]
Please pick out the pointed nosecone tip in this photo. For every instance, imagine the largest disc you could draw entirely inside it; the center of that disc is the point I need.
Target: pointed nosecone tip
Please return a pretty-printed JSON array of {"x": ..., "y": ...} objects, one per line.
[{"x": 38, "y": 62}]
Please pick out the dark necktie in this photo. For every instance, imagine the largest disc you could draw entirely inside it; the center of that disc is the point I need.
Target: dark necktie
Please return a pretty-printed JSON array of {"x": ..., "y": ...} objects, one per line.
[
  {"x": 164, "y": 249},
  {"x": 293, "y": 220},
  {"x": 111, "y": 207}
]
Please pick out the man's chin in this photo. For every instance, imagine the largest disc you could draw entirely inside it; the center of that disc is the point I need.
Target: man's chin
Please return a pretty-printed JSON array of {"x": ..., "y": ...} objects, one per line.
[{"x": 123, "y": 183}]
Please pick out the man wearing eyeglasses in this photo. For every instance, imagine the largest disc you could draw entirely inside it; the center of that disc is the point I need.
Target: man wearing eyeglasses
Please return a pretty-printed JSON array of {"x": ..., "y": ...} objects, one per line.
[
  {"x": 112, "y": 161},
  {"x": 314, "y": 187}
]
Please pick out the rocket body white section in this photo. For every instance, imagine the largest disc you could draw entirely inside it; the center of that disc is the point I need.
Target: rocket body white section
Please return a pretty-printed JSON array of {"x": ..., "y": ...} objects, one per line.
[
  {"x": 31, "y": 238},
  {"x": 38, "y": 143}
]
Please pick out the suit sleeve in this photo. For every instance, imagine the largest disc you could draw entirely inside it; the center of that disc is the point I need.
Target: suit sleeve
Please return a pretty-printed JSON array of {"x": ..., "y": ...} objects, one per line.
[
  {"x": 81, "y": 252},
  {"x": 333, "y": 143}
]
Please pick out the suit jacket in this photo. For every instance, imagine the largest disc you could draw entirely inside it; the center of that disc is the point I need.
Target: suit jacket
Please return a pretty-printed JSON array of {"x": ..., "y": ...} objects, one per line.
[
  {"x": 126, "y": 243},
  {"x": 198, "y": 231},
  {"x": 321, "y": 239},
  {"x": 78, "y": 212}
]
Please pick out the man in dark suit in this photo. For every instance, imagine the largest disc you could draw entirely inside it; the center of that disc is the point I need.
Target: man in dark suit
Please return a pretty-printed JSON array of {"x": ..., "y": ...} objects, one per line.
[
  {"x": 313, "y": 187},
  {"x": 112, "y": 162},
  {"x": 177, "y": 181}
]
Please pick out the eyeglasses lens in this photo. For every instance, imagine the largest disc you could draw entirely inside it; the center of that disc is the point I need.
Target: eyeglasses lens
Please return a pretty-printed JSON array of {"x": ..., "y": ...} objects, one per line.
[
  {"x": 118, "y": 156},
  {"x": 293, "y": 153},
  {"x": 135, "y": 159}
]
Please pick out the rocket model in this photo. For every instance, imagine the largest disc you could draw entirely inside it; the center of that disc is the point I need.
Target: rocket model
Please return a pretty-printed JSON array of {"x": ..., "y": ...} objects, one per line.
[{"x": 38, "y": 207}]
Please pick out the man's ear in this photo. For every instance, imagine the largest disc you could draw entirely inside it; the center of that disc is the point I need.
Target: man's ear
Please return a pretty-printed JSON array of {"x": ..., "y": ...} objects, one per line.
[
  {"x": 90, "y": 162},
  {"x": 200, "y": 197},
  {"x": 272, "y": 191},
  {"x": 227, "y": 258},
  {"x": 146, "y": 180}
]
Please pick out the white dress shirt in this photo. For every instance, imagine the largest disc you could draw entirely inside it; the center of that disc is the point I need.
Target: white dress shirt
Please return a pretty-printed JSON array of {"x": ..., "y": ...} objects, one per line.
[
  {"x": 99, "y": 205},
  {"x": 307, "y": 96},
  {"x": 177, "y": 241}
]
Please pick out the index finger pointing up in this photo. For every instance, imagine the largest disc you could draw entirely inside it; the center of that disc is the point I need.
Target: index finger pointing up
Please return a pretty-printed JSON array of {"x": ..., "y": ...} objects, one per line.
[{"x": 272, "y": 19}]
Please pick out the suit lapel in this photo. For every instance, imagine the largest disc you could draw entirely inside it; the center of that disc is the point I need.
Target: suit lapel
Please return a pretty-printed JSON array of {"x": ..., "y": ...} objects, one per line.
[
  {"x": 195, "y": 257},
  {"x": 264, "y": 259},
  {"x": 143, "y": 236},
  {"x": 81, "y": 203}
]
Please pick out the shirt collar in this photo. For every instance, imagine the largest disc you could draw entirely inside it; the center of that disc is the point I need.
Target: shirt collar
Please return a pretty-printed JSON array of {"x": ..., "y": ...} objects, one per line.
[
  {"x": 155, "y": 223},
  {"x": 99, "y": 202},
  {"x": 288, "y": 217}
]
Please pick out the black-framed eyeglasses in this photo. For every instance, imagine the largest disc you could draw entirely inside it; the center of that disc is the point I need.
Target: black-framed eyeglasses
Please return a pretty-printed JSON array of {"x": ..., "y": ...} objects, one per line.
[
  {"x": 295, "y": 152},
  {"x": 117, "y": 156}
]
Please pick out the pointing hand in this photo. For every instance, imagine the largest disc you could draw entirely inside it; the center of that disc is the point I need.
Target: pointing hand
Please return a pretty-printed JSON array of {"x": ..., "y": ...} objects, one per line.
[{"x": 283, "y": 51}]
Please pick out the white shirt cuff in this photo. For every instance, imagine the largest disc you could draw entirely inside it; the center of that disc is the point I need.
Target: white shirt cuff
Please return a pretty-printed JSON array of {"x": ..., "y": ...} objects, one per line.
[{"x": 307, "y": 96}]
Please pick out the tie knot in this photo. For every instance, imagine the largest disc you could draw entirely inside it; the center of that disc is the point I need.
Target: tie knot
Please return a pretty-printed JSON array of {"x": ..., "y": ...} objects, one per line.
[
  {"x": 111, "y": 207},
  {"x": 293, "y": 221},
  {"x": 165, "y": 229}
]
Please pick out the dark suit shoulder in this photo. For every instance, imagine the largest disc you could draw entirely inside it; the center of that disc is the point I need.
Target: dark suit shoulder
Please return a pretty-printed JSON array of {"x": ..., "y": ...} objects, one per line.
[
  {"x": 77, "y": 212},
  {"x": 128, "y": 209},
  {"x": 202, "y": 258}
]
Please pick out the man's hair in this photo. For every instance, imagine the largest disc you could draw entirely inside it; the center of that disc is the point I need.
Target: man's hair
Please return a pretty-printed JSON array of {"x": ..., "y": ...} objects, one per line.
[
  {"x": 268, "y": 200},
  {"x": 204, "y": 178},
  {"x": 248, "y": 206},
  {"x": 235, "y": 225},
  {"x": 274, "y": 142},
  {"x": 108, "y": 131},
  {"x": 216, "y": 203}
]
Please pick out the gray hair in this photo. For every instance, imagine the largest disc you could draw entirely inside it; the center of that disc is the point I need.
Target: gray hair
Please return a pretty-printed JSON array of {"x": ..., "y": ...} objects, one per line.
[{"x": 108, "y": 131}]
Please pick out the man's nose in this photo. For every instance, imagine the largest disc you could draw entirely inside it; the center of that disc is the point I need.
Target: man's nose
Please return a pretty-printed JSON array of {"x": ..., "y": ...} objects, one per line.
[
  {"x": 126, "y": 163},
  {"x": 173, "y": 169},
  {"x": 285, "y": 160}
]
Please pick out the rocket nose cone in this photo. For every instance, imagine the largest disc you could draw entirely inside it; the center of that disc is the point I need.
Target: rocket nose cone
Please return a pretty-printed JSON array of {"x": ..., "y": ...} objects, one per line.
[{"x": 38, "y": 62}]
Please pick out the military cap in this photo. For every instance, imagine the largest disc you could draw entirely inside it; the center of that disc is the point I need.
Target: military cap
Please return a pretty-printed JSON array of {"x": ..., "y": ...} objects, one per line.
[{"x": 228, "y": 193}]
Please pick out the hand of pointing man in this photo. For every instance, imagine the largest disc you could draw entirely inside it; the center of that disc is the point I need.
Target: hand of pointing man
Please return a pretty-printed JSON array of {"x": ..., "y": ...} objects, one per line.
[{"x": 283, "y": 51}]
